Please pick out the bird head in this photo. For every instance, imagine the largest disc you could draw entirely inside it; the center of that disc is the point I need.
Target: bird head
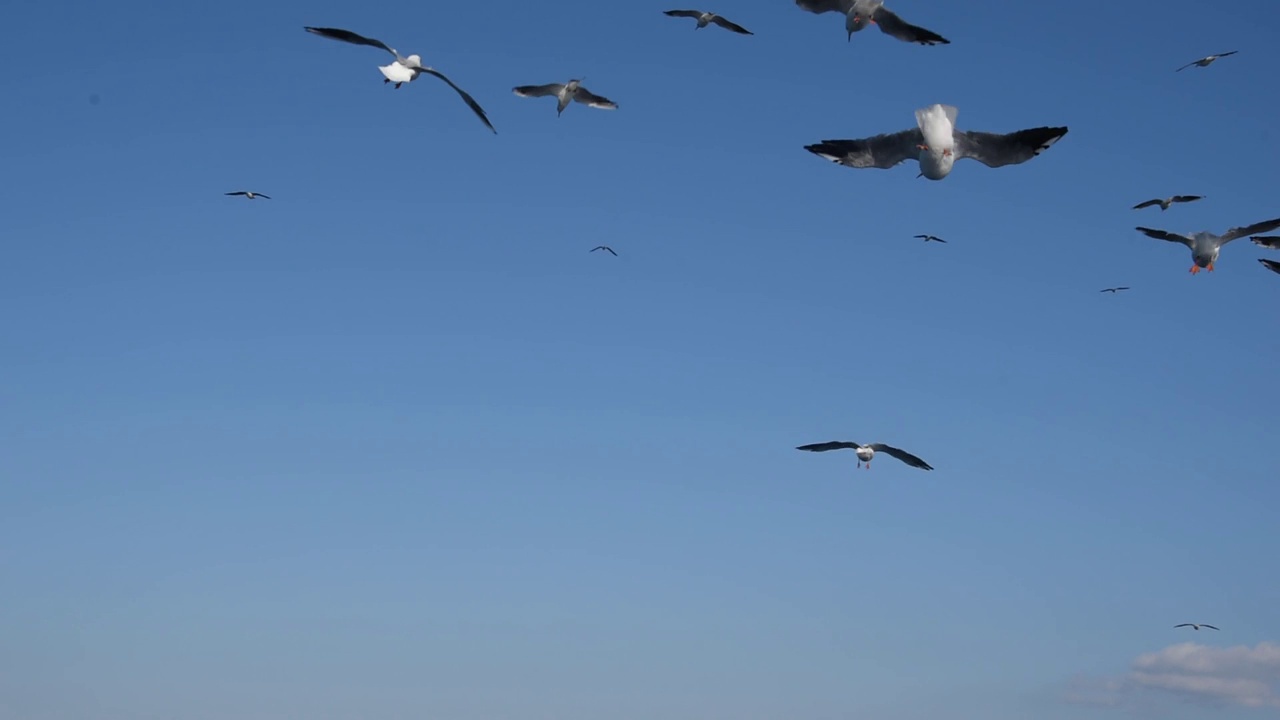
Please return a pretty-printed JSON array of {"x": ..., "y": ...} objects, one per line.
[{"x": 414, "y": 60}]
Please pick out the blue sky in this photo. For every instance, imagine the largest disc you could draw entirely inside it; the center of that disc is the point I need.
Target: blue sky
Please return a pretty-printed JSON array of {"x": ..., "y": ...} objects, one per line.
[{"x": 393, "y": 444}]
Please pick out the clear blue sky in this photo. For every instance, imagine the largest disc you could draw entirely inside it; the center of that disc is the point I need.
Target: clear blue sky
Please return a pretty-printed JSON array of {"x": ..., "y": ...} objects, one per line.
[{"x": 395, "y": 445}]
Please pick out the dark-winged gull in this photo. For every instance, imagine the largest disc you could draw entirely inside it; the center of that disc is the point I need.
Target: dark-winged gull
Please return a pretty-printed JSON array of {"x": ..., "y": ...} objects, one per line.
[
  {"x": 859, "y": 13},
  {"x": 930, "y": 238},
  {"x": 1270, "y": 242},
  {"x": 566, "y": 93},
  {"x": 249, "y": 194},
  {"x": 1113, "y": 289},
  {"x": 1206, "y": 61},
  {"x": 708, "y": 17},
  {"x": 604, "y": 247},
  {"x": 1197, "y": 626},
  {"x": 1166, "y": 202},
  {"x": 404, "y": 69},
  {"x": 866, "y": 452},
  {"x": 936, "y": 144},
  {"x": 1205, "y": 245},
  {"x": 1271, "y": 265}
]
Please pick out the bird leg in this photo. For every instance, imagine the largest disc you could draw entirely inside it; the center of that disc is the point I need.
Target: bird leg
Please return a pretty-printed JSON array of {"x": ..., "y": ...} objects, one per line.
[
  {"x": 1195, "y": 269},
  {"x": 398, "y": 85},
  {"x": 1210, "y": 268}
]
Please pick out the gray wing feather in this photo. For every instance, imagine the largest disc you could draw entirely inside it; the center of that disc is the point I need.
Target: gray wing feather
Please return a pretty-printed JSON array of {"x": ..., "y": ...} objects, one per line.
[
  {"x": 1146, "y": 204},
  {"x": 349, "y": 37},
  {"x": 902, "y": 455},
  {"x": 1271, "y": 265},
  {"x": 466, "y": 97},
  {"x": 834, "y": 445},
  {"x": 683, "y": 13},
  {"x": 1239, "y": 232},
  {"x": 1271, "y": 242},
  {"x": 1164, "y": 235},
  {"x": 822, "y": 6},
  {"x": 894, "y": 26},
  {"x": 880, "y": 151},
  {"x": 995, "y": 150},
  {"x": 590, "y": 99},
  {"x": 728, "y": 25},
  {"x": 534, "y": 91}
]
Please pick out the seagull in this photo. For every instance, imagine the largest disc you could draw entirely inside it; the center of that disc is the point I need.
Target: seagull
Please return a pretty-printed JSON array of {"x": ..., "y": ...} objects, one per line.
[
  {"x": 866, "y": 452},
  {"x": 1270, "y": 242},
  {"x": 1166, "y": 202},
  {"x": 858, "y": 13},
  {"x": 603, "y": 247},
  {"x": 929, "y": 238},
  {"x": 566, "y": 93},
  {"x": 1204, "y": 61},
  {"x": 936, "y": 144},
  {"x": 1195, "y": 625},
  {"x": 708, "y": 17},
  {"x": 1271, "y": 265},
  {"x": 248, "y": 194},
  {"x": 1205, "y": 245},
  {"x": 404, "y": 69},
  {"x": 1113, "y": 290}
]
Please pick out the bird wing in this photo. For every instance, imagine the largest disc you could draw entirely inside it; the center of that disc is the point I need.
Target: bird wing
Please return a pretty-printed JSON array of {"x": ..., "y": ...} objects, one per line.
[
  {"x": 1146, "y": 204},
  {"x": 1222, "y": 55},
  {"x": 1186, "y": 198},
  {"x": 466, "y": 97},
  {"x": 1184, "y": 625},
  {"x": 350, "y": 37},
  {"x": 1271, "y": 265},
  {"x": 1254, "y": 229},
  {"x": 534, "y": 91},
  {"x": 1184, "y": 67},
  {"x": 995, "y": 150},
  {"x": 683, "y": 13},
  {"x": 822, "y": 6},
  {"x": 894, "y": 26},
  {"x": 1271, "y": 242},
  {"x": 834, "y": 445},
  {"x": 881, "y": 151},
  {"x": 1163, "y": 235},
  {"x": 237, "y": 193},
  {"x": 902, "y": 455},
  {"x": 264, "y": 197},
  {"x": 1210, "y": 627},
  {"x": 728, "y": 25},
  {"x": 590, "y": 99}
]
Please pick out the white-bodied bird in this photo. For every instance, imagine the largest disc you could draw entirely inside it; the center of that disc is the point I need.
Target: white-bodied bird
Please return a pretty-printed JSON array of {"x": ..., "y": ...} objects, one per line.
[
  {"x": 249, "y": 194},
  {"x": 1166, "y": 202},
  {"x": 1206, "y": 61},
  {"x": 858, "y": 14},
  {"x": 708, "y": 17},
  {"x": 566, "y": 93},
  {"x": 866, "y": 452},
  {"x": 1205, "y": 246},
  {"x": 1197, "y": 626}
]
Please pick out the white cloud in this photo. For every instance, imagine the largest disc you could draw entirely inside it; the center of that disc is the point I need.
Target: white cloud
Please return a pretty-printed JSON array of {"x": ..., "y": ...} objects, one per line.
[{"x": 1240, "y": 676}]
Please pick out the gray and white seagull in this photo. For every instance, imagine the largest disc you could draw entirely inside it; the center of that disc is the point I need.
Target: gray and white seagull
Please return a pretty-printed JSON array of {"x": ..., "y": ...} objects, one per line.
[
  {"x": 708, "y": 17},
  {"x": 1270, "y": 242},
  {"x": 404, "y": 69},
  {"x": 1205, "y": 246},
  {"x": 936, "y": 144},
  {"x": 860, "y": 13},
  {"x": 1166, "y": 202},
  {"x": 930, "y": 238},
  {"x": 249, "y": 194},
  {"x": 1197, "y": 626},
  {"x": 564, "y": 93},
  {"x": 1206, "y": 61},
  {"x": 866, "y": 452}
]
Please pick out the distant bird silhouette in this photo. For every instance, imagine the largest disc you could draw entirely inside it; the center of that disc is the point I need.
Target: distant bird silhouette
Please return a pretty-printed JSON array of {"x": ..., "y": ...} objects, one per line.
[
  {"x": 248, "y": 194},
  {"x": 866, "y": 452},
  {"x": 1206, "y": 61},
  {"x": 930, "y": 238},
  {"x": 604, "y": 247},
  {"x": 1271, "y": 242},
  {"x": 1166, "y": 202},
  {"x": 564, "y": 93},
  {"x": 708, "y": 17},
  {"x": 1271, "y": 265},
  {"x": 1114, "y": 289},
  {"x": 1195, "y": 625}
]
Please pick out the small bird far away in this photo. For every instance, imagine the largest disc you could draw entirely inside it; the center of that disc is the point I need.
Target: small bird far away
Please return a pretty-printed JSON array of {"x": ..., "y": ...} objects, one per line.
[
  {"x": 866, "y": 452},
  {"x": 1166, "y": 202},
  {"x": 1197, "y": 626},
  {"x": 1114, "y": 289},
  {"x": 1206, "y": 61},
  {"x": 930, "y": 238},
  {"x": 604, "y": 247},
  {"x": 708, "y": 17},
  {"x": 249, "y": 194}
]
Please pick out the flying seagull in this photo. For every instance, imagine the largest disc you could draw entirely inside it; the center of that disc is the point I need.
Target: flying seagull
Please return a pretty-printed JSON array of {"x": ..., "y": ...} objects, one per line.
[
  {"x": 1113, "y": 290},
  {"x": 566, "y": 93},
  {"x": 708, "y": 17},
  {"x": 1270, "y": 242},
  {"x": 404, "y": 69},
  {"x": 249, "y": 194},
  {"x": 936, "y": 144},
  {"x": 1205, "y": 245},
  {"x": 1271, "y": 265},
  {"x": 859, "y": 13},
  {"x": 1205, "y": 61},
  {"x": 1166, "y": 202},
  {"x": 1195, "y": 625},
  {"x": 866, "y": 452},
  {"x": 930, "y": 238},
  {"x": 604, "y": 247}
]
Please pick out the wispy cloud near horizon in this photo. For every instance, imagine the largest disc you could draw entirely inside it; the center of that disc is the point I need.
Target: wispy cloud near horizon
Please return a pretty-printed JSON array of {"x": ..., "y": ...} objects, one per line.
[{"x": 1237, "y": 676}]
